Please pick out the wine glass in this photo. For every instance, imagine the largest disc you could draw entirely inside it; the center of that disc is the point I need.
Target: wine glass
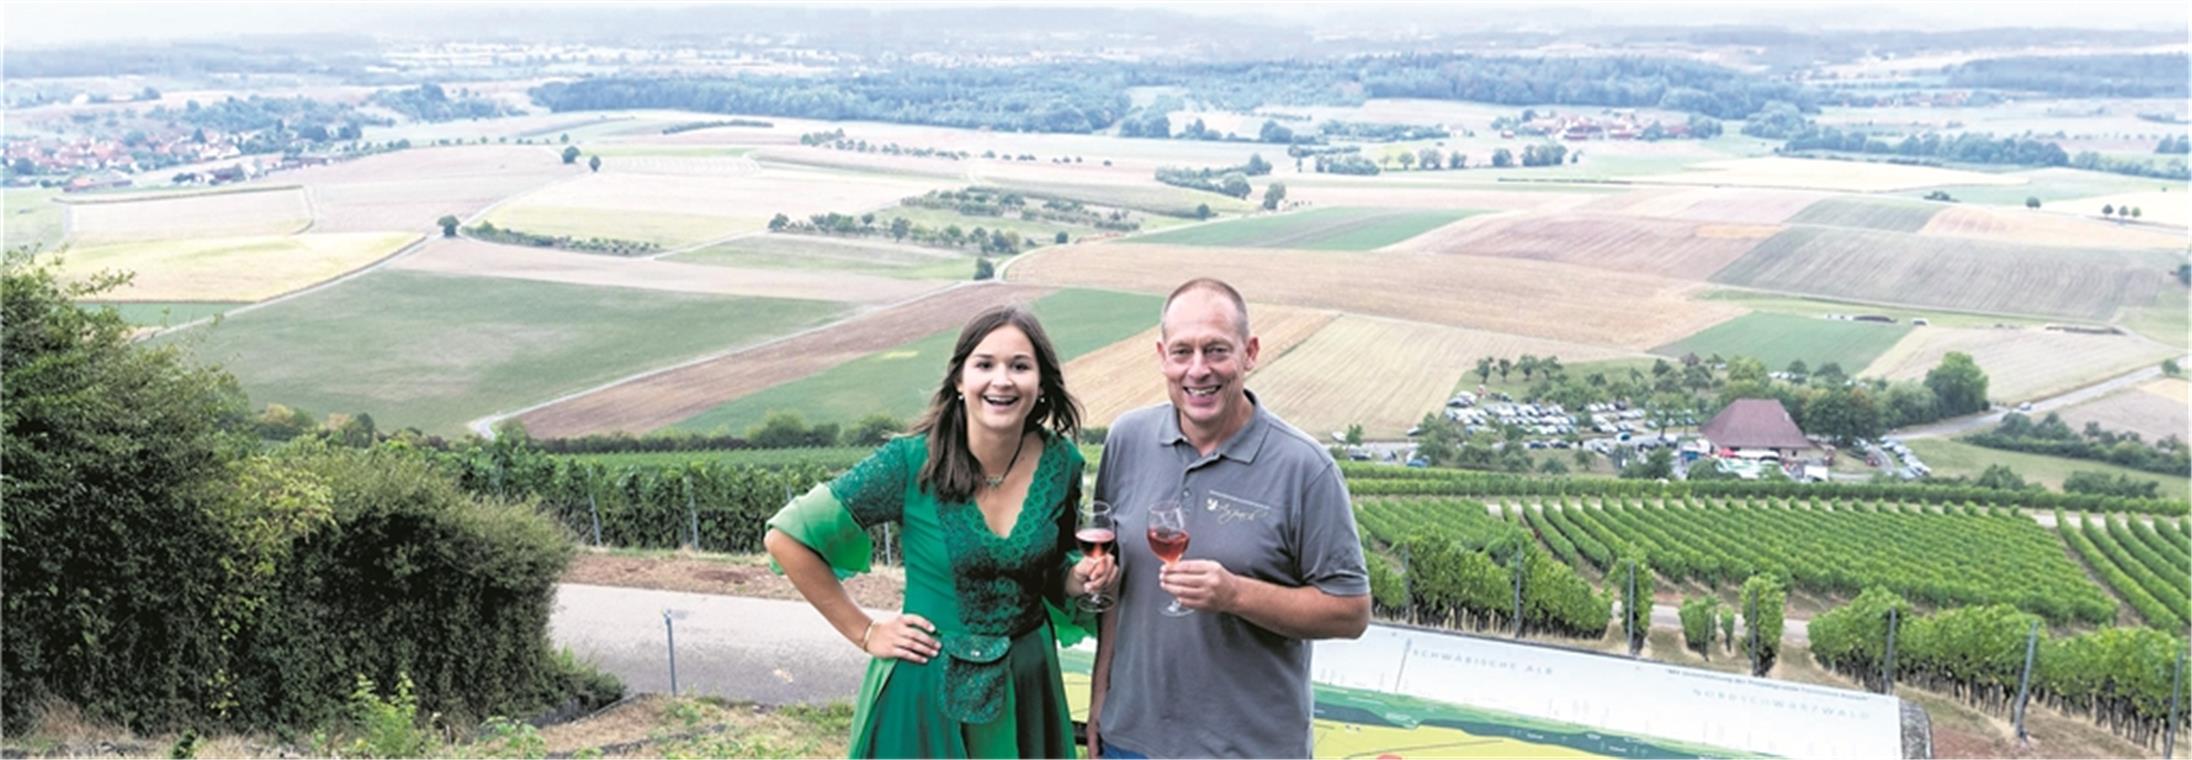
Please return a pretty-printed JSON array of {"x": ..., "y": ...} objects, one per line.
[
  {"x": 1168, "y": 540},
  {"x": 1099, "y": 537}
]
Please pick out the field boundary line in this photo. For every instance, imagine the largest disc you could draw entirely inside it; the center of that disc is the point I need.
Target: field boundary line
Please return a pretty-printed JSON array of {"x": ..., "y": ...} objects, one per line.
[
  {"x": 484, "y": 426},
  {"x": 98, "y": 200},
  {"x": 417, "y": 242}
]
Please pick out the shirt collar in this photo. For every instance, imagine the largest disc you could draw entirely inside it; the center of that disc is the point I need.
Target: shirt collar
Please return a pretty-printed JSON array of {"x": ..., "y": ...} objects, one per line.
[{"x": 1242, "y": 447}]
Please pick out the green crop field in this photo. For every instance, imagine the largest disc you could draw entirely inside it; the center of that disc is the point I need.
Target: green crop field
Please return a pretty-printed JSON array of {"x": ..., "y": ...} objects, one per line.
[
  {"x": 1968, "y": 275},
  {"x": 1330, "y": 229},
  {"x": 1868, "y": 213},
  {"x": 1948, "y": 458},
  {"x": 1820, "y": 307},
  {"x": 33, "y": 219},
  {"x": 167, "y": 314},
  {"x": 866, "y": 256},
  {"x": 434, "y": 351},
  {"x": 899, "y": 382},
  {"x": 2164, "y": 320},
  {"x": 1778, "y": 339}
]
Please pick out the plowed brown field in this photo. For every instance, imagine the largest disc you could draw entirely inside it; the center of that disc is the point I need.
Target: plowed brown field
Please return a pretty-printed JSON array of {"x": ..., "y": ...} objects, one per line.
[
  {"x": 1623, "y": 244},
  {"x": 2045, "y": 228}
]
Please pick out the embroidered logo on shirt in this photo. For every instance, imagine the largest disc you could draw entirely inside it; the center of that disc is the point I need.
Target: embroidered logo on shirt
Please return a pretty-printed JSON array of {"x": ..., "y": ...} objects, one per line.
[{"x": 1230, "y": 509}]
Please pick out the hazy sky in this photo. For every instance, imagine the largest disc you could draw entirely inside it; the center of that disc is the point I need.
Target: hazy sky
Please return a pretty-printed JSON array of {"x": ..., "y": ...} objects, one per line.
[{"x": 50, "y": 23}]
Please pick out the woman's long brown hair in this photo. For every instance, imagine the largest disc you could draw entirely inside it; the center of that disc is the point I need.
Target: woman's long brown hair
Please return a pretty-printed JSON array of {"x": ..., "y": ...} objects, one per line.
[{"x": 951, "y": 472}]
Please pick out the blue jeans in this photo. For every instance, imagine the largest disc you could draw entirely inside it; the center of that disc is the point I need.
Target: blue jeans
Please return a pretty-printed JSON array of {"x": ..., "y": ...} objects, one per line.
[{"x": 1113, "y": 751}]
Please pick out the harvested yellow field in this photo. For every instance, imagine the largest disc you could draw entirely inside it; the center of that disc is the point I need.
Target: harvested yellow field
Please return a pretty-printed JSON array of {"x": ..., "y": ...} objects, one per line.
[
  {"x": 829, "y": 158},
  {"x": 2020, "y": 364},
  {"x": 271, "y": 211},
  {"x": 703, "y": 166},
  {"x": 1124, "y": 376},
  {"x": 679, "y": 210},
  {"x": 1533, "y": 298},
  {"x": 1385, "y": 374},
  {"x": 2155, "y": 410},
  {"x": 2173, "y": 208},
  {"x": 1818, "y": 174},
  {"x": 2046, "y": 228},
  {"x": 1370, "y": 192},
  {"x": 230, "y": 269},
  {"x": 470, "y": 257}
]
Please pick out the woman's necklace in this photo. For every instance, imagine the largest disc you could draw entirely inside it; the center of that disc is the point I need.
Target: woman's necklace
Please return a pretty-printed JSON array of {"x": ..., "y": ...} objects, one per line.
[{"x": 994, "y": 481}]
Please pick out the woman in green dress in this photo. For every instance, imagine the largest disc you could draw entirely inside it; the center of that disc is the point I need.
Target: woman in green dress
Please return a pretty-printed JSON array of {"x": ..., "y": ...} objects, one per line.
[{"x": 983, "y": 493}]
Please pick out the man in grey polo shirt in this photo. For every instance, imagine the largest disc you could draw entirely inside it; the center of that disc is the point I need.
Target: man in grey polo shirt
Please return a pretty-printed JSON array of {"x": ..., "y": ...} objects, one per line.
[{"x": 1272, "y": 560}]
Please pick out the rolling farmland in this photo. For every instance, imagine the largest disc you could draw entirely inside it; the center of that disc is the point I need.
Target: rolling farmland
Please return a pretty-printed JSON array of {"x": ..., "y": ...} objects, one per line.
[
  {"x": 409, "y": 189},
  {"x": 33, "y": 218},
  {"x": 1864, "y": 265},
  {"x": 1746, "y": 206},
  {"x": 659, "y": 399},
  {"x": 1326, "y": 383},
  {"x": 1622, "y": 244},
  {"x": 229, "y": 213},
  {"x": 900, "y": 380},
  {"x": 2155, "y": 410},
  {"x": 1869, "y": 213},
  {"x": 1814, "y": 174},
  {"x": 1955, "y": 458},
  {"x": 1328, "y": 229},
  {"x": 2020, "y": 364},
  {"x": 815, "y": 252},
  {"x": 2046, "y": 228},
  {"x": 675, "y": 210},
  {"x": 1778, "y": 339},
  {"x": 434, "y": 350},
  {"x": 1529, "y": 298},
  {"x": 471, "y": 257},
  {"x": 230, "y": 269}
]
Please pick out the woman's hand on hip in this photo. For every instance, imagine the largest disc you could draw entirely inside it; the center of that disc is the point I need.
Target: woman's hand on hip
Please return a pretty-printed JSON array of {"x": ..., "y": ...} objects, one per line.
[{"x": 906, "y": 637}]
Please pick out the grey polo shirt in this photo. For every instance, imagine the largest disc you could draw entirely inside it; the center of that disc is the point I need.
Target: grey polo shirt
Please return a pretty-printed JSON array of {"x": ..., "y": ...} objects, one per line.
[{"x": 1269, "y": 504}]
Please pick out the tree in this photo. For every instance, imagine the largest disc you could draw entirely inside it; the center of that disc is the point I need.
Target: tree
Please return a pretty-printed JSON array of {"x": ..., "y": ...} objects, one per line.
[
  {"x": 2032, "y": 201},
  {"x": 2000, "y": 477},
  {"x": 2108, "y": 209},
  {"x": 1484, "y": 369},
  {"x": 900, "y": 228},
  {"x": 1528, "y": 365},
  {"x": 984, "y": 270},
  {"x": 1505, "y": 366},
  {"x": 1273, "y": 132},
  {"x": 2134, "y": 212},
  {"x": 448, "y": 224},
  {"x": 1502, "y": 158},
  {"x": 1457, "y": 161},
  {"x": 593, "y": 163},
  {"x": 1659, "y": 465},
  {"x": 1354, "y": 435},
  {"x": 116, "y": 453},
  {"x": 1830, "y": 375},
  {"x": 1273, "y": 194},
  {"x": 570, "y": 154},
  {"x": 873, "y": 430},
  {"x": 2170, "y": 368},
  {"x": 1797, "y": 371},
  {"x": 1959, "y": 384},
  {"x": 1202, "y": 211},
  {"x": 1844, "y": 414}
]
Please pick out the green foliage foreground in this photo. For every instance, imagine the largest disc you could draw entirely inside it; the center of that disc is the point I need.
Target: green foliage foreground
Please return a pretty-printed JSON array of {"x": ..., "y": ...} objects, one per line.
[{"x": 162, "y": 575}]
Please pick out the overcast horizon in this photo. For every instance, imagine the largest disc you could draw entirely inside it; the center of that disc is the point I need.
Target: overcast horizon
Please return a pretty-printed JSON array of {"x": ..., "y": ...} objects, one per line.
[{"x": 51, "y": 24}]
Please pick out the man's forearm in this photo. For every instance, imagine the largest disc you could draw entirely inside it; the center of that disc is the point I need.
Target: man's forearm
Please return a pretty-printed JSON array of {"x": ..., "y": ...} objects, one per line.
[{"x": 1306, "y": 612}]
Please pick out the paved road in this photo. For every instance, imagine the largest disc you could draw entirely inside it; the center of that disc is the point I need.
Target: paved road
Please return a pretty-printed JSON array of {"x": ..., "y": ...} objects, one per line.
[{"x": 764, "y": 650}]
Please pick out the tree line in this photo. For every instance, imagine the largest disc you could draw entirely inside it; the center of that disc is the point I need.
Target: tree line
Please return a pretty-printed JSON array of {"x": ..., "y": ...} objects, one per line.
[
  {"x": 2146, "y": 75},
  {"x": 2053, "y": 437}
]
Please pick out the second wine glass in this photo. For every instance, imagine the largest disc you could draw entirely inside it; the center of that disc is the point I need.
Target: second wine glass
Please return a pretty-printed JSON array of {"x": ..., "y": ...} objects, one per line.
[
  {"x": 1098, "y": 536},
  {"x": 1168, "y": 540}
]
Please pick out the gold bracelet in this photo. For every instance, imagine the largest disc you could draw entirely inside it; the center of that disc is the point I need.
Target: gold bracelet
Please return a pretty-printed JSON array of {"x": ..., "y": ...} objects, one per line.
[{"x": 864, "y": 635}]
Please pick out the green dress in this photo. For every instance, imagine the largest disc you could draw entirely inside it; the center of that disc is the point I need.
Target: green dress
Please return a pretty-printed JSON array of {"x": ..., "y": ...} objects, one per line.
[{"x": 998, "y": 603}]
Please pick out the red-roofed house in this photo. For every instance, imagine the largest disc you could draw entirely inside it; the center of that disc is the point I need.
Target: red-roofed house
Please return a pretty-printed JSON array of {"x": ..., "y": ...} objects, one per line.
[{"x": 1755, "y": 424}]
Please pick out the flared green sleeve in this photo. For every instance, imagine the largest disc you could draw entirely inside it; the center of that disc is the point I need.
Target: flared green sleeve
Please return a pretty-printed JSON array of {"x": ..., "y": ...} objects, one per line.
[
  {"x": 1067, "y": 620},
  {"x": 833, "y": 518}
]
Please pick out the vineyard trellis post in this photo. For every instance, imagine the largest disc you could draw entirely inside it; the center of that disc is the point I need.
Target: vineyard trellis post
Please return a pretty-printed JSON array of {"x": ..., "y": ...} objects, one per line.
[
  {"x": 2169, "y": 729},
  {"x": 1887, "y": 664},
  {"x": 2024, "y": 683},
  {"x": 1407, "y": 589},
  {"x": 669, "y": 629},
  {"x": 1750, "y": 627}
]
